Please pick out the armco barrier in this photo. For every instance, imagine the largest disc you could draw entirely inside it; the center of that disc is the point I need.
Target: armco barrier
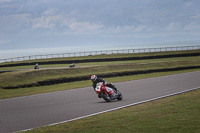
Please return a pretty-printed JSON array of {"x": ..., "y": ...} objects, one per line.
[
  {"x": 104, "y": 60},
  {"x": 76, "y": 54}
]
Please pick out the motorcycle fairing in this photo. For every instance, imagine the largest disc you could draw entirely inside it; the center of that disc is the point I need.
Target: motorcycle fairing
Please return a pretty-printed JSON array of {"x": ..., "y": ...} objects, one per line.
[{"x": 109, "y": 90}]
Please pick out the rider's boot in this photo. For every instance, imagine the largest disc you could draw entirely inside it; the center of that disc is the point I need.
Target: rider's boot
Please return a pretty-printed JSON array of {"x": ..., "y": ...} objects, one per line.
[{"x": 99, "y": 96}]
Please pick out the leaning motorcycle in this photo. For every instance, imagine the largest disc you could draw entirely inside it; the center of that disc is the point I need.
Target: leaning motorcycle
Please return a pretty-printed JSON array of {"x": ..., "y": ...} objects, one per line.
[
  {"x": 36, "y": 67},
  {"x": 107, "y": 93}
]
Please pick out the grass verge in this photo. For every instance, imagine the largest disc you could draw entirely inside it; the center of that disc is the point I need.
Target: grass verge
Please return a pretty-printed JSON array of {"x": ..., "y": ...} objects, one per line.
[
  {"x": 177, "y": 114},
  {"x": 9, "y": 93},
  {"x": 27, "y": 78},
  {"x": 51, "y": 76}
]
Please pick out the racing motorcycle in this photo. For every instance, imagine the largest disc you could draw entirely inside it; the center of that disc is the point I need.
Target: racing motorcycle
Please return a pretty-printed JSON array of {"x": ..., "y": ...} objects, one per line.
[
  {"x": 107, "y": 93},
  {"x": 36, "y": 67}
]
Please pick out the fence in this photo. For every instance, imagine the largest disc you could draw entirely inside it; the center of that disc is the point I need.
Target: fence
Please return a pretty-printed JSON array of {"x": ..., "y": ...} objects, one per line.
[{"x": 76, "y": 54}]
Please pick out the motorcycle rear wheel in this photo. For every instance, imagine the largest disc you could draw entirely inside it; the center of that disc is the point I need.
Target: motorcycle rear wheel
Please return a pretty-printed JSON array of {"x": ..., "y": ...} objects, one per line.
[{"x": 119, "y": 96}]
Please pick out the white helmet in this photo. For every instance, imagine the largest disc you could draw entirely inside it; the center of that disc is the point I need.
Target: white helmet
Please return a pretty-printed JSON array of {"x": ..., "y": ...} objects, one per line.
[{"x": 93, "y": 77}]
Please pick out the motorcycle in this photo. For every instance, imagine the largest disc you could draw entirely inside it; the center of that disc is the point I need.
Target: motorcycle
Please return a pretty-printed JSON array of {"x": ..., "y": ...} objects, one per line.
[
  {"x": 36, "y": 67},
  {"x": 107, "y": 93},
  {"x": 72, "y": 65}
]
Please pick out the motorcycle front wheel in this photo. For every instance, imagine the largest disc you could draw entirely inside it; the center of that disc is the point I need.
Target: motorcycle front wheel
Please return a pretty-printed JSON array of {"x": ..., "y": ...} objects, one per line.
[{"x": 106, "y": 97}]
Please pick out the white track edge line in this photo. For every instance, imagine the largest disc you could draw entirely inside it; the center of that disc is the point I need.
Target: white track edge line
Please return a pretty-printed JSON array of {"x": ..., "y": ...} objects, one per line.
[{"x": 117, "y": 108}]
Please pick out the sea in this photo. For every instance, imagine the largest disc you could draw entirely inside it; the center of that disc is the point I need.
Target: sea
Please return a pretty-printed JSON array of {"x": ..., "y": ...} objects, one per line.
[{"x": 6, "y": 54}]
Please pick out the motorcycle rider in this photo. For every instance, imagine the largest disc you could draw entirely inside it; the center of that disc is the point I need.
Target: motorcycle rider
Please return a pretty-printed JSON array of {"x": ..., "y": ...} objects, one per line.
[
  {"x": 96, "y": 80},
  {"x": 36, "y": 66}
]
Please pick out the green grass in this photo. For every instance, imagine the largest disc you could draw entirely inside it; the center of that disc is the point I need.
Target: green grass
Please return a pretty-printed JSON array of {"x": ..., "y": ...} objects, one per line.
[
  {"x": 177, "y": 114},
  {"x": 173, "y": 114},
  {"x": 9, "y": 93},
  {"x": 33, "y": 76},
  {"x": 101, "y": 57}
]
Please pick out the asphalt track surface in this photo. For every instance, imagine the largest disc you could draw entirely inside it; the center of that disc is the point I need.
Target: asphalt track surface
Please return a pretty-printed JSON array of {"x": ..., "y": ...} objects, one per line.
[{"x": 28, "y": 112}]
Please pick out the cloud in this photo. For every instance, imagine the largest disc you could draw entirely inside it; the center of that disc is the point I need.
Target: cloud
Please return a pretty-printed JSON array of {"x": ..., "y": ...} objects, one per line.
[
  {"x": 52, "y": 19},
  {"x": 84, "y": 26},
  {"x": 6, "y": 0},
  {"x": 128, "y": 29},
  {"x": 22, "y": 17},
  {"x": 47, "y": 22},
  {"x": 197, "y": 15},
  {"x": 192, "y": 26},
  {"x": 141, "y": 28},
  {"x": 188, "y": 4},
  {"x": 4, "y": 41},
  {"x": 65, "y": 22},
  {"x": 49, "y": 12},
  {"x": 113, "y": 19},
  {"x": 173, "y": 26},
  {"x": 14, "y": 21}
]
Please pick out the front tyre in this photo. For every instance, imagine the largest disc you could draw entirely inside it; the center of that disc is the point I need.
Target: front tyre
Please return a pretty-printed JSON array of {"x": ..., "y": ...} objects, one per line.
[{"x": 106, "y": 97}]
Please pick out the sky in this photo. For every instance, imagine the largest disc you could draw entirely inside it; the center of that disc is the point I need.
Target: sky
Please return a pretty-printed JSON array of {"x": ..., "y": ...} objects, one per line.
[{"x": 62, "y": 23}]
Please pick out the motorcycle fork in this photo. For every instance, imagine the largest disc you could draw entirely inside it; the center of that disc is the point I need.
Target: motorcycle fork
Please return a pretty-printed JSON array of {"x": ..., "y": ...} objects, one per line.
[{"x": 105, "y": 93}]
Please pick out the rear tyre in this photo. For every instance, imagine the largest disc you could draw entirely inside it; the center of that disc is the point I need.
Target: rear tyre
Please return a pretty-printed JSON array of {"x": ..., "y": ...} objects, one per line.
[{"x": 119, "y": 96}]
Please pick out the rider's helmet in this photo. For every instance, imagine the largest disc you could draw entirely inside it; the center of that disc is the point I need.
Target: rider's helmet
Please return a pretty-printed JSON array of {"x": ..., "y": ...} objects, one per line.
[{"x": 93, "y": 77}]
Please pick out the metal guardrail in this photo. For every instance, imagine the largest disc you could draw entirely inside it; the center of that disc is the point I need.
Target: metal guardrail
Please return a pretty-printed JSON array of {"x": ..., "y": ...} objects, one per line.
[{"x": 76, "y": 54}]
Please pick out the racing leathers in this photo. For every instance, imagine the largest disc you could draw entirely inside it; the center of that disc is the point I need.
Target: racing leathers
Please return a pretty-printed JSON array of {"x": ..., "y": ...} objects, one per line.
[{"x": 104, "y": 82}]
